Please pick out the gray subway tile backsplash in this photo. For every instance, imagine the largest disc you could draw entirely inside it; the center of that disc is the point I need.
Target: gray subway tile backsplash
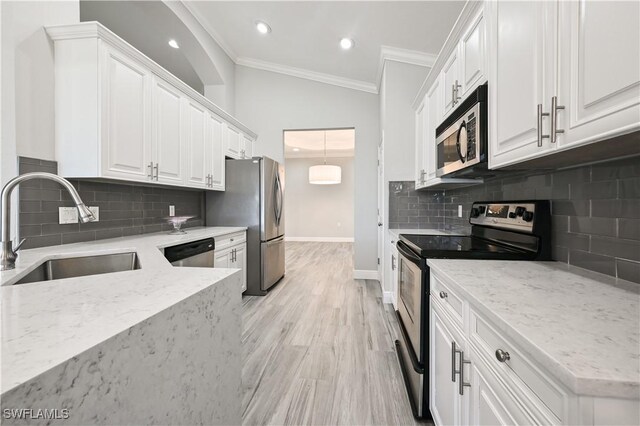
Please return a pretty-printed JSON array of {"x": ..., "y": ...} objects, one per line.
[
  {"x": 596, "y": 211},
  {"x": 125, "y": 209}
]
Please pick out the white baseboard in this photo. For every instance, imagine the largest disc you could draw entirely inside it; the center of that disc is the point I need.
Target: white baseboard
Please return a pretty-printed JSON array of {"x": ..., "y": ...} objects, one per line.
[
  {"x": 321, "y": 239},
  {"x": 387, "y": 297},
  {"x": 362, "y": 274}
]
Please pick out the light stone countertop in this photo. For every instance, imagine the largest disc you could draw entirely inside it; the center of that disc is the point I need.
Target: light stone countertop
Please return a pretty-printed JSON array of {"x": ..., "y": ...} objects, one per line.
[
  {"x": 394, "y": 233},
  {"x": 47, "y": 323},
  {"x": 583, "y": 327}
]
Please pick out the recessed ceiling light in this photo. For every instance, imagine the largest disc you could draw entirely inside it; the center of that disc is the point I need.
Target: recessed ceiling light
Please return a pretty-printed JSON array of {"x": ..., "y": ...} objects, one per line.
[
  {"x": 263, "y": 27},
  {"x": 174, "y": 44},
  {"x": 296, "y": 149},
  {"x": 347, "y": 43}
]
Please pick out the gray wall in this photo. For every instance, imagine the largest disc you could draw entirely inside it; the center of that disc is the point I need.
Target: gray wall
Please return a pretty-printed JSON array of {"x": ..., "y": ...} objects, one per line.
[
  {"x": 596, "y": 211},
  {"x": 318, "y": 211},
  {"x": 125, "y": 209},
  {"x": 269, "y": 103}
]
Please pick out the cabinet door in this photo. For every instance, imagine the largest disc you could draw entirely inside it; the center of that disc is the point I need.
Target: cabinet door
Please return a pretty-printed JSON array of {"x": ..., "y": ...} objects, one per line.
[
  {"x": 472, "y": 56},
  {"x": 445, "y": 403},
  {"x": 222, "y": 259},
  {"x": 196, "y": 144},
  {"x": 521, "y": 69},
  {"x": 490, "y": 404},
  {"x": 247, "y": 147},
  {"x": 599, "y": 73},
  {"x": 240, "y": 262},
  {"x": 233, "y": 143},
  {"x": 168, "y": 125},
  {"x": 450, "y": 81},
  {"x": 126, "y": 118},
  {"x": 420, "y": 170},
  {"x": 433, "y": 116},
  {"x": 215, "y": 152}
]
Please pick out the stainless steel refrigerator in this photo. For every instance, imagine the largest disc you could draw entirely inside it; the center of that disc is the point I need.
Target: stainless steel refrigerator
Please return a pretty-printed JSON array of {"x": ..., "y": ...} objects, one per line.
[{"x": 254, "y": 197}]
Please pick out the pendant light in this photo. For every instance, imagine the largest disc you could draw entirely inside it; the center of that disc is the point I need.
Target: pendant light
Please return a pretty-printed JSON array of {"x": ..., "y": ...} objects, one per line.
[{"x": 325, "y": 174}]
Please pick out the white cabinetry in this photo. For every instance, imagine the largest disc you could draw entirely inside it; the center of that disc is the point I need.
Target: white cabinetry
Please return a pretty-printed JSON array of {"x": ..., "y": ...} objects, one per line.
[
  {"x": 238, "y": 145},
  {"x": 472, "y": 52},
  {"x": 196, "y": 145},
  {"x": 422, "y": 150},
  {"x": 126, "y": 113},
  {"x": 562, "y": 75},
  {"x": 119, "y": 115},
  {"x": 231, "y": 252},
  {"x": 450, "y": 82},
  {"x": 168, "y": 138}
]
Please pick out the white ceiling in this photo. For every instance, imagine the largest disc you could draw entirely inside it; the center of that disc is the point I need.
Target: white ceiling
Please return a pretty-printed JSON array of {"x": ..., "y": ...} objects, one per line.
[
  {"x": 305, "y": 34},
  {"x": 310, "y": 143}
]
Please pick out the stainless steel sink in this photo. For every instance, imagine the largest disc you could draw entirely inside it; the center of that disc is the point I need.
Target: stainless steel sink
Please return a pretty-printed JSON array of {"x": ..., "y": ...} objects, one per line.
[{"x": 69, "y": 267}]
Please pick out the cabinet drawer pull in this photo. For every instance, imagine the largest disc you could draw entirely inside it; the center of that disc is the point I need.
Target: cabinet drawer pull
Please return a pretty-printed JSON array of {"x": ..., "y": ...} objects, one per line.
[
  {"x": 443, "y": 295},
  {"x": 462, "y": 383},
  {"x": 150, "y": 166},
  {"x": 502, "y": 356},
  {"x": 454, "y": 351},
  {"x": 155, "y": 167}
]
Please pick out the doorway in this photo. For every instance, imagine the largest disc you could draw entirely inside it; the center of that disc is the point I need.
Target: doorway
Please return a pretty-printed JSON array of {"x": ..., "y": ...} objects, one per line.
[{"x": 319, "y": 166}]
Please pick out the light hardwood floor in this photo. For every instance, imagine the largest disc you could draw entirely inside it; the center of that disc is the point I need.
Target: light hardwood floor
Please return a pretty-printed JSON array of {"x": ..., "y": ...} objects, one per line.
[{"x": 318, "y": 349}]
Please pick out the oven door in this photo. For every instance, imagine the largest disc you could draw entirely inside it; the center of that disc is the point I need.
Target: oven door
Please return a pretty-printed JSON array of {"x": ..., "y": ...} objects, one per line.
[
  {"x": 410, "y": 296},
  {"x": 458, "y": 146}
]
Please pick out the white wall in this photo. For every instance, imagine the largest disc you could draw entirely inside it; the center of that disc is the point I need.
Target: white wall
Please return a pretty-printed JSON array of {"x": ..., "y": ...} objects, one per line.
[
  {"x": 318, "y": 212},
  {"x": 400, "y": 84},
  {"x": 269, "y": 103},
  {"x": 27, "y": 75}
]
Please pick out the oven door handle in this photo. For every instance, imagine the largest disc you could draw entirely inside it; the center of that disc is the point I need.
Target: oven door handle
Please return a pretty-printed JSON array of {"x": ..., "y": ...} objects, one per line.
[
  {"x": 463, "y": 125},
  {"x": 405, "y": 251}
]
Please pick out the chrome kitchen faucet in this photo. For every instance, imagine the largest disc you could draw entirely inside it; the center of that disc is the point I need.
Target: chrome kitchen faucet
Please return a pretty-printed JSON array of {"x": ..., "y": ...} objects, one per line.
[{"x": 8, "y": 254}]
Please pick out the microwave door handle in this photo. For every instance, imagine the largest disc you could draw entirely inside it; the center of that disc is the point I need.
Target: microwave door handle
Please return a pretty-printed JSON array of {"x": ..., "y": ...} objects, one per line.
[
  {"x": 463, "y": 125},
  {"x": 405, "y": 251}
]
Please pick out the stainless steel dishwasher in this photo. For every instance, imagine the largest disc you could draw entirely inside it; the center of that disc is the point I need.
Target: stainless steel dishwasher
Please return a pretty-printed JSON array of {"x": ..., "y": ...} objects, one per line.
[{"x": 199, "y": 253}]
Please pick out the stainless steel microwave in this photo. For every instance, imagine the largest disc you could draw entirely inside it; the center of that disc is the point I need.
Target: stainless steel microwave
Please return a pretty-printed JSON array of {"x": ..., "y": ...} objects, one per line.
[{"x": 462, "y": 138}]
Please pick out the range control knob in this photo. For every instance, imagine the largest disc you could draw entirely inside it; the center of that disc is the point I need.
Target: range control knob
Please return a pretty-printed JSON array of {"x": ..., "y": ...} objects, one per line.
[
  {"x": 520, "y": 211},
  {"x": 527, "y": 216},
  {"x": 475, "y": 212},
  {"x": 482, "y": 209},
  {"x": 512, "y": 215}
]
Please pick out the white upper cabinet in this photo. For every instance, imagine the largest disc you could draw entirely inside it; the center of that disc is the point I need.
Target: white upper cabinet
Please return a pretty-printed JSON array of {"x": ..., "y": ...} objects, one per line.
[
  {"x": 599, "y": 72},
  {"x": 215, "y": 153},
  {"x": 196, "y": 145},
  {"x": 233, "y": 143},
  {"x": 472, "y": 56},
  {"x": 521, "y": 60},
  {"x": 119, "y": 115},
  {"x": 126, "y": 151},
  {"x": 451, "y": 83},
  {"x": 561, "y": 75},
  {"x": 420, "y": 133},
  {"x": 432, "y": 120},
  {"x": 168, "y": 125}
]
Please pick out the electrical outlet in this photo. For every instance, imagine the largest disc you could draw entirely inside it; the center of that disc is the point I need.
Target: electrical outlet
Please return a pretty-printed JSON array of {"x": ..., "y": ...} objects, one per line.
[
  {"x": 95, "y": 210},
  {"x": 172, "y": 210},
  {"x": 459, "y": 210},
  {"x": 67, "y": 215}
]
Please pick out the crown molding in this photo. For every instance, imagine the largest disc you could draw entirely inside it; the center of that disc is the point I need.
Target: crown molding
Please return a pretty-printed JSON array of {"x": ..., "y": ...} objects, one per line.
[
  {"x": 335, "y": 80},
  {"x": 407, "y": 56},
  {"x": 212, "y": 32}
]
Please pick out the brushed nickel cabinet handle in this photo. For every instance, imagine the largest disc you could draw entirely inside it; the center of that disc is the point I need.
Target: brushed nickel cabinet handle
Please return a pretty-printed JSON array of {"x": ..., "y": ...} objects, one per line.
[
  {"x": 443, "y": 295},
  {"x": 155, "y": 167},
  {"x": 462, "y": 383},
  {"x": 540, "y": 115},
  {"x": 554, "y": 119},
  {"x": 454, "y": 371},
  {"x": 502, "y": 356},
  {"x": 150, "y": 166}
]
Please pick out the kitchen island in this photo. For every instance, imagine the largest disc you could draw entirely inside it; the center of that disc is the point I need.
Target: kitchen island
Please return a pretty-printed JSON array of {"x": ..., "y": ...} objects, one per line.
[{"x": 156, "y": 345}]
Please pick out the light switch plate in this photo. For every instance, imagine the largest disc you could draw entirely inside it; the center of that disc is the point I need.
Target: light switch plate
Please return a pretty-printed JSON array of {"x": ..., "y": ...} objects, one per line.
[
  {"x": 459, "y": 210},
  {"x": 96, "y": 212},
  {"x": 67, "y": 215},
  {"x": 172, "y": 210}
]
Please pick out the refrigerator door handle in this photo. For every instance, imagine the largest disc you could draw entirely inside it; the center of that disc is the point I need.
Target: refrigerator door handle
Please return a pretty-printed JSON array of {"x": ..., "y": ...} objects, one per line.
[{"x": 278, "y": 202}]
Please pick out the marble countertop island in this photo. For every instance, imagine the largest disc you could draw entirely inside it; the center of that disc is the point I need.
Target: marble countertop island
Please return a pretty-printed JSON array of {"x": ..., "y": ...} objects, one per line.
[
  {"x": 584, "y": 327},
  {"x": 47, "y": 323}
]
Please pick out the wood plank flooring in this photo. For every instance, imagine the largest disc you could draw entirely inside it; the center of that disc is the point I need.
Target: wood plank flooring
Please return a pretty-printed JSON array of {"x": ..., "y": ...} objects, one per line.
[{"x": 318, "y": 349}]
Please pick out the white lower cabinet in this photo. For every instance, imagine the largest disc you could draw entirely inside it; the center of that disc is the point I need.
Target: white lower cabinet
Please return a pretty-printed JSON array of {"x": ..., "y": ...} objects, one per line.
[
  {"x": 487, "y": 379},
  {"x": 231, "y": 252}
]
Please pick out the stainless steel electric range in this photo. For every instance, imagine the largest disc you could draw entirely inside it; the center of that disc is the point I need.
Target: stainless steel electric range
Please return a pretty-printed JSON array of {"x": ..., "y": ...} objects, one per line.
[{"x": 505, "y": 230}]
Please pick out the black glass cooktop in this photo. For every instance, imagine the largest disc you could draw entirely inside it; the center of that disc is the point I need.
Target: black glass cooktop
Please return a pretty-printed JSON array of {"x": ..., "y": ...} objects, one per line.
[{"x": 461, "y": 247}]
